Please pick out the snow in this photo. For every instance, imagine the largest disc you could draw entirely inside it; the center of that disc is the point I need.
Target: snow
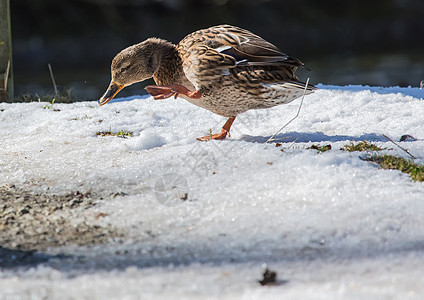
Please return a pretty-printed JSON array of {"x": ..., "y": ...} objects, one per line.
[{"x": 201, "y": 218}]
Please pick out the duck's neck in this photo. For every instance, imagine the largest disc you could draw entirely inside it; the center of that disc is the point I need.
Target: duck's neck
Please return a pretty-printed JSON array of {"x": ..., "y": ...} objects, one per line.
[{"x": 170, "y": 70}]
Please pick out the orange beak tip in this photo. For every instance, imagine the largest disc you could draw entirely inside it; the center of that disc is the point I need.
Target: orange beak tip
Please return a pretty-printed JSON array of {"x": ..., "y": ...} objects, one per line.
[{"x": 110, "y": 93}]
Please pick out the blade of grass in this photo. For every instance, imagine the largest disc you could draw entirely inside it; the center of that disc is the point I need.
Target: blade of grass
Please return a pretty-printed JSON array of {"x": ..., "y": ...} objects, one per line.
[
  {"x": 54, "y": 82},
  {"x": 406, "y": 150},
  {"x": 298, "y": 112}
]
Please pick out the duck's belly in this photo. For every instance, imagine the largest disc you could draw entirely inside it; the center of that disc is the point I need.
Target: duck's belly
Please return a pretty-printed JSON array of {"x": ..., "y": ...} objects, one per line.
[
  {"x": 225, "y": 100},
  {"x": 228, "y": 102},
  {"x": 221, "y": 104}
]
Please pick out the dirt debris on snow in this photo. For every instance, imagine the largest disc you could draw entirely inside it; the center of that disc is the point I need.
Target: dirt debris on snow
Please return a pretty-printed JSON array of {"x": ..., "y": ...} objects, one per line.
[{"x": 37, "y": 221}]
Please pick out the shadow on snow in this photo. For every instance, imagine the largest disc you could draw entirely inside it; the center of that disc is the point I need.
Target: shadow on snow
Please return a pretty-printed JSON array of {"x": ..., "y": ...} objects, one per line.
[{"x": 304, "y": 137}]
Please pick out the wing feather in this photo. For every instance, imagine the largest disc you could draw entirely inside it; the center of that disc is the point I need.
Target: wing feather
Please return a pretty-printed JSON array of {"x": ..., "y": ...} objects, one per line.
[{"x": 210, "y": 53}]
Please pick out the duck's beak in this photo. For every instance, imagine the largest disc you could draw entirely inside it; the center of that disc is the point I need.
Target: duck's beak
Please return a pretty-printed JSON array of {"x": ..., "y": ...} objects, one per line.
[{"x": 111, "y": 92}]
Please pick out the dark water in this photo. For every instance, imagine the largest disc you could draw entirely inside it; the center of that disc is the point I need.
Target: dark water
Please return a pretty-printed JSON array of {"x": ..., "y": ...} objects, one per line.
[
  {"x": 395, "y": 69},
  {"x": 344, "y": 42}
]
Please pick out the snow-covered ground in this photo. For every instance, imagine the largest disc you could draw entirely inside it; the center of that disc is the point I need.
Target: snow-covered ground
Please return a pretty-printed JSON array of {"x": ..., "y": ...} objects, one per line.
[{"x": 201, "y": 218}]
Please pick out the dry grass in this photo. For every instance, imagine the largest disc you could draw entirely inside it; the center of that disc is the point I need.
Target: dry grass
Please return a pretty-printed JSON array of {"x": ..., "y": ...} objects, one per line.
[
  {"x": 392, "y": 162},
  {"x": 361, "y": 146}
]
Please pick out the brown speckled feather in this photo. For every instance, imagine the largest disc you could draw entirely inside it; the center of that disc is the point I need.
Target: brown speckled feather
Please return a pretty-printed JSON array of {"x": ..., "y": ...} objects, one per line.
[{"x": 237, "y": 70}]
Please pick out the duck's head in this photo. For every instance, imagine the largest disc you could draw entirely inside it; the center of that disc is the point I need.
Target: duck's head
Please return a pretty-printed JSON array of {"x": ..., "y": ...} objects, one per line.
[{"x": 135, "y": 64}]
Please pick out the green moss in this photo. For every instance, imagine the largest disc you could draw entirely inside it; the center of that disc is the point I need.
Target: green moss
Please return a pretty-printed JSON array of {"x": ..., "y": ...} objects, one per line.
[
  {"x": 121, "y": 133},
  {"x": 319, "y": 148},
  {"x": 361, "y": 146},
  {"x": 49, "y": 106},
  {"x": 398, "y": 163}
]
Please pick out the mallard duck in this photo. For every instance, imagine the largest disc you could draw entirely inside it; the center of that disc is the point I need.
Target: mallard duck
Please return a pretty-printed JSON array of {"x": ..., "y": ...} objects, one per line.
[{"x": 225, "y": 69}]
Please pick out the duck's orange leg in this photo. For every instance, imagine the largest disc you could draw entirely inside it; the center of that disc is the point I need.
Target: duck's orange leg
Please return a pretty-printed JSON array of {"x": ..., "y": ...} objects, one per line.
[
  {"x": 222, "y": 135},
  {"x": 165, "y": 91}
]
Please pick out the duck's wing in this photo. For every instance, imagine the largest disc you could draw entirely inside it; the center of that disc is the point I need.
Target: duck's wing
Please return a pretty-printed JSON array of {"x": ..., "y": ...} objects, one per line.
[
  {"x": 203, "y": 65},
  {"x": 209, "y": 53},
  {"x": 244, "y": 46},
  {"x": 249, "y": 49}
]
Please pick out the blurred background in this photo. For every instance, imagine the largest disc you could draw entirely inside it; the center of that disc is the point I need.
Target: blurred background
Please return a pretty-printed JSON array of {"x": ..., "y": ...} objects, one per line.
[{"x": 378, "y": 42}]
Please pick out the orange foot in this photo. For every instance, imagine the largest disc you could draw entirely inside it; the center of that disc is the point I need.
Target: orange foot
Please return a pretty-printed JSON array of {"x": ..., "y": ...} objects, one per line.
[
  {"x": 222, "y": 135},
  {"x": 165, "y": 91}
]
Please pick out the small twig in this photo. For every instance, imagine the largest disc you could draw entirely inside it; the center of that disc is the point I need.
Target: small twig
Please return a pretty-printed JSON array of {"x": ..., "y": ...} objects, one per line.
[
  {"x": 291, "y": 145},
  {"x": 54, "y": 82},
  {"x": 406, "y": 150},
  {"x": 298, "y": 111},
  {"x": 6, "y": 75}
]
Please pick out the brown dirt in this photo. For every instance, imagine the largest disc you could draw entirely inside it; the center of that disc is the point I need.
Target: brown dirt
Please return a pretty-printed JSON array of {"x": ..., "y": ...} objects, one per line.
[{"x": 37, "y": 221}]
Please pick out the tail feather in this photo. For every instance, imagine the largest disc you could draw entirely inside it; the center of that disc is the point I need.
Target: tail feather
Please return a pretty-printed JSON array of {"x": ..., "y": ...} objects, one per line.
[{"x": 286, "y": 92}]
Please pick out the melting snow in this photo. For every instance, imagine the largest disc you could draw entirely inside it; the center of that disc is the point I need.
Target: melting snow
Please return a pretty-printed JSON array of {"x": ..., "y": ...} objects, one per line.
[{"x": 203, "y": 217}]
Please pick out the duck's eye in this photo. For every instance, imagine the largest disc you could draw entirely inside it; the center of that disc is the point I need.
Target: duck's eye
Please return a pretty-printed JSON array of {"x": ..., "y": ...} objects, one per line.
[{"x": 124, "y": 69}]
